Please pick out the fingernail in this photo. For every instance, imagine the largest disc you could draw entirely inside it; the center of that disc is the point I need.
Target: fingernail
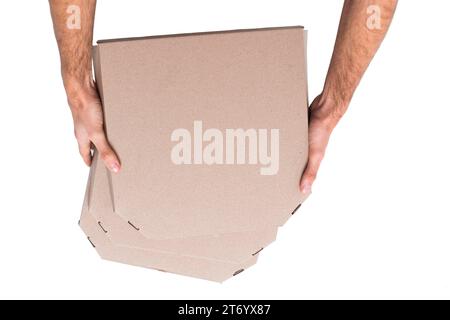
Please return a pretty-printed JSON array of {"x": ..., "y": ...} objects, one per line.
[
  {"x": 306, "y": 189},
  {"x": 115, "y": 168}
]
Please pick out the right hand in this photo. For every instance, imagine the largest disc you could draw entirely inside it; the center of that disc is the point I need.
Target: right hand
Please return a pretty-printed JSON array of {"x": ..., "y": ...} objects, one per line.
[
  {"x": 89, "y": 130},
  {"x": 325, "y": 114}
]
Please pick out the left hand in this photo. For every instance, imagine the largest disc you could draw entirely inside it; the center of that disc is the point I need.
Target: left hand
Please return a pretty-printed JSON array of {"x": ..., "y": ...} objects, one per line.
[{"x": 323, "y": 118}]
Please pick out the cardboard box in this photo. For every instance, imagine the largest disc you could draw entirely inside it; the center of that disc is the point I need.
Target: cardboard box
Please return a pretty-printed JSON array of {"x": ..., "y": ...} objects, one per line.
[
  {"x": 165, "y": 261},
  {"x": 232, "y": 247},
  {"x": 211, "y": 130}
]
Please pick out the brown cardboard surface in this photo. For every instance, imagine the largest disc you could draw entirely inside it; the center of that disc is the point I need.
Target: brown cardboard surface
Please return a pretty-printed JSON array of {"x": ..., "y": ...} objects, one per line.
[
  {"x": 235, "y": 247},
  {"x": 208, "y": 269},
  {"x": 212, "y": 270},
  {"x": 227, "y": 80}
]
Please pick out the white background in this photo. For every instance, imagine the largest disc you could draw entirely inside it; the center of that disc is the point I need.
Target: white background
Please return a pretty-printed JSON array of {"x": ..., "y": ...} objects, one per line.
[{"x": 376, "y": 226}]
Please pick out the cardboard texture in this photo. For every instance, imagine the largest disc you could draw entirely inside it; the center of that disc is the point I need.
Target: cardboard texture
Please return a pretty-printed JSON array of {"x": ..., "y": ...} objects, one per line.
[
  {"x": 207, "y": 269},
  {"x": 211, "y": 131},
  {"x": 227, "y": 80},
  {"x": 233, "y": 247}
]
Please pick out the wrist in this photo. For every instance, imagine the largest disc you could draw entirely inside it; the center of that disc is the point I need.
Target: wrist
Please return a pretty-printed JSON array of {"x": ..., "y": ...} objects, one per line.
[
  {"x": 328, "y": 109},
  {"x": 78, "y": 89}
]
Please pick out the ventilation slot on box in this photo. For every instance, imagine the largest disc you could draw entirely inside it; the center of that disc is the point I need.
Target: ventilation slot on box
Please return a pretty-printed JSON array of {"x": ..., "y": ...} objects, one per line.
[
  {"x": 295, "y": 210},
  {"x": 134, "y": 227},
  {"x": 257, "y": 252},
  {"x": 101, "y": 227},
  {"x": 89, "y": 238},
  {"x": 237, "y": 272}
]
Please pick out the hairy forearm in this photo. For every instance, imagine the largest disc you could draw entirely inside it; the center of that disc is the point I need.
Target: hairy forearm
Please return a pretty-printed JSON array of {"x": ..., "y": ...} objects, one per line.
[
  {"x": 359, "y": 36},
  {"x": 73, "y": 22},
  {"x": 74, "y": 39}
]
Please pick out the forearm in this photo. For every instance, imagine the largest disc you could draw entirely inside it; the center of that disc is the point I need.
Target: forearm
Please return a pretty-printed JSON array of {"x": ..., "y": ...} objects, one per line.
[
  {"x": 357, "y": 41},
  {"x": 74, "y": 41}
]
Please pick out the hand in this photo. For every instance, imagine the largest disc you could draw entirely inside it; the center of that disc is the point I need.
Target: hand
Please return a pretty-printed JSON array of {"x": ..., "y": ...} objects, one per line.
[
  {"x": 87, "y": 116},
  {"x": 324, "y": 116}
]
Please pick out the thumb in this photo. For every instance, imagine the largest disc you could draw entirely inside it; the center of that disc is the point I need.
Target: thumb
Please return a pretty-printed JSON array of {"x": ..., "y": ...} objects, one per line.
[
  {"x": 106, "y": 152},
  {"x": 310, "y": 173}
]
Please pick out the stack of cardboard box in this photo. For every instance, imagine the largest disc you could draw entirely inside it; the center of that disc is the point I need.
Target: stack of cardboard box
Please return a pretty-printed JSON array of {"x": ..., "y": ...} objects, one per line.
[{"x": 211, "y": 131}]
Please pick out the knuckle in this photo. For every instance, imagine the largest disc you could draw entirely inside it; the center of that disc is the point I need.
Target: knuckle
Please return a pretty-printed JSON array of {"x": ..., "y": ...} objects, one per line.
[{"x": 311, "y": 175}]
